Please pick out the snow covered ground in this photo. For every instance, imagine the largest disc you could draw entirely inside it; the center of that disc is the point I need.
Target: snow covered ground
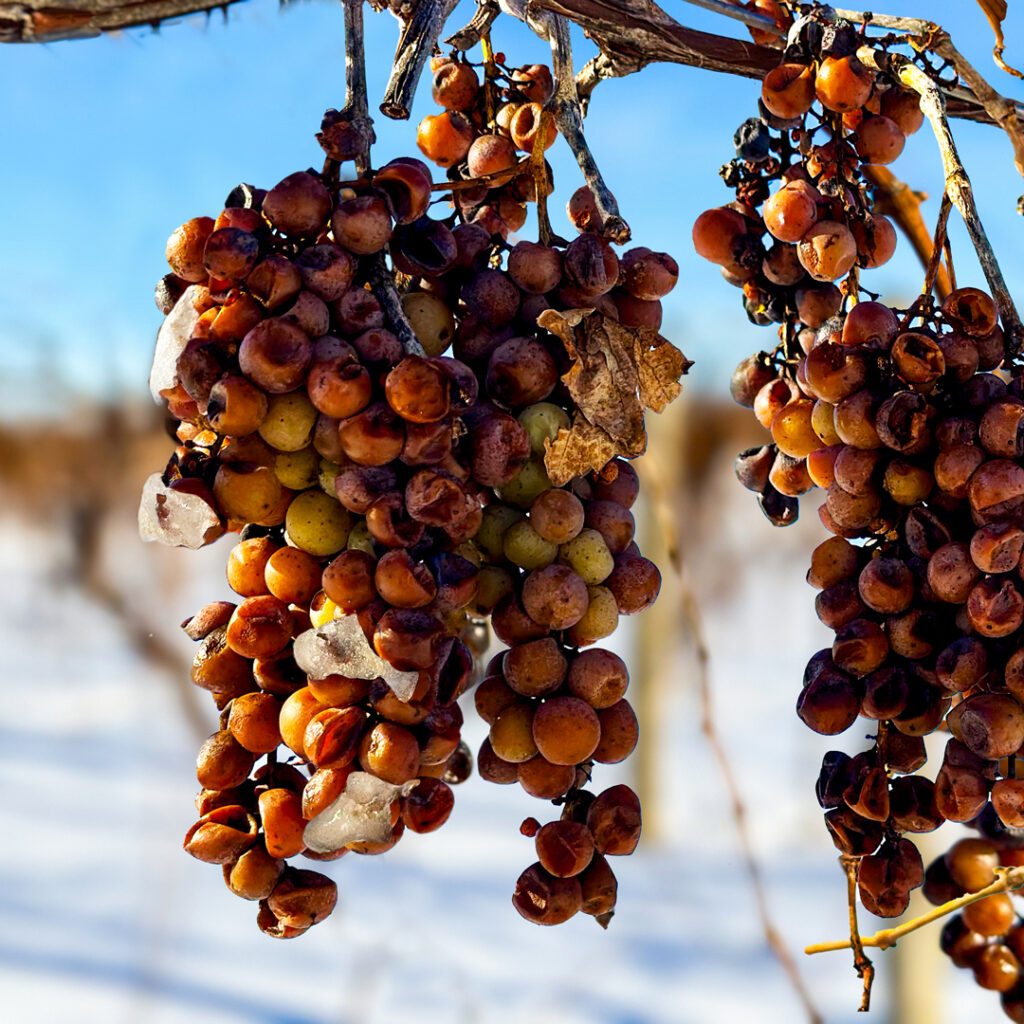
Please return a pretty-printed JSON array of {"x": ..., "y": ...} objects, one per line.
[{"x": 103, "y": 918}]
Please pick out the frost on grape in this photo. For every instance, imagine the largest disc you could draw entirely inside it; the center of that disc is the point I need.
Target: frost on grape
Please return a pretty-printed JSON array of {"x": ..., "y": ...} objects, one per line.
[
  {"x": 171, "y": 339},
  {"x": 617, "y": 373},
  {"x": 339, "y": 648},
  {"x": 361, "y": 814},
  {"x": 176, "y": 518}
]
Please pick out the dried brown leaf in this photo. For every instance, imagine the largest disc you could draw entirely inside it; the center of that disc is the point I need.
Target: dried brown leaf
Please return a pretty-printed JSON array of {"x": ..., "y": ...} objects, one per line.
[
  {"x": 580, "y": 449},
  {"x": 603, "y": 378},
  {"x": 995, "y": 11},
  {"x": 617, "y": 373},
  {"x": 659, "y": 366}
]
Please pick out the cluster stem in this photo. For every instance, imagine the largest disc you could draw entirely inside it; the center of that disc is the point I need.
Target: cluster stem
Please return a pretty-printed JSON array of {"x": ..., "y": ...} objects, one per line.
[{"x": 1007, "y": 880}]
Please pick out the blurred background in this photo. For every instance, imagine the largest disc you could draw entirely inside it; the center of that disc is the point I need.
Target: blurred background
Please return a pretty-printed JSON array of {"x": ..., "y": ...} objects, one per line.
[{"x": 107, "y": 146}]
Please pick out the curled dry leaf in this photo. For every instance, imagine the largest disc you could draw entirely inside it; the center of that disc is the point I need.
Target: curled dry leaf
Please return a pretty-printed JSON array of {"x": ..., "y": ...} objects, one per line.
[
  {"x": 617, "y": 373},
  {"x": 995, "y": 11}
]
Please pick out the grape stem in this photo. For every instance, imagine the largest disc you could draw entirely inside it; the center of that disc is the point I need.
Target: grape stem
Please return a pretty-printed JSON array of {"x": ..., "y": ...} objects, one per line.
[
  {"x": 896, "y": 199},
  {"x": 1007, "y": 880},
  {"x": 916, "y": 26},
  {"x": 492, "y": 180},
  {"x": 939, "y": 243},
  {"x": 922, "y": 305},
  {"x": 356, "y": 104},
  {"x": 565, "y": 105},
  {"x": 566, "y": 108},
  {"x": 479, "y": 25},
  {"x": 383, "y": 284},
  {"x": 1004, "y": 112},
  {"x": 540, "y": 181},
  {"x": 861, "y": 962},
  {"x": 958, "y": 184},
  {"x": 420, "y": 31}
]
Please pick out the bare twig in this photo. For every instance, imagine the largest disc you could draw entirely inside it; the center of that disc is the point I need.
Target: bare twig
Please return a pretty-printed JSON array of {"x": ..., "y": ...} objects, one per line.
[
  {"x": 915, "y": 26},
  {"x": 1007, "y": 880},
  {"x": 466, "y": 38},
  {"x": 694, "y": 622},
  {"x": 492, "y": 180},
  {"x": 417, "y": 41},
  {"x": 896, "y": 199},
  {"x": 938, "y": 245},
  {"x": 864, "y": 967},
  {"x": 566, "y": 108},
  {"x": 597, "y": 70},
  {"x": 752, "y": 18},
  {"x": 630, "y": 34},
  {"x": 634, "y": 33},
  {"x": 47, "y": 21},
  {"x": 958, "y": 185},
  {"x": 1004, "y": 112},
  {"x": 356, "y": 103},
  {"x": 383, "y": 284}
]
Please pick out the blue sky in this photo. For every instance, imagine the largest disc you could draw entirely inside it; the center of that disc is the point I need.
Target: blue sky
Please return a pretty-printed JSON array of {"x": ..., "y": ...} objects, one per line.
[{"x": 109, "y": 144}]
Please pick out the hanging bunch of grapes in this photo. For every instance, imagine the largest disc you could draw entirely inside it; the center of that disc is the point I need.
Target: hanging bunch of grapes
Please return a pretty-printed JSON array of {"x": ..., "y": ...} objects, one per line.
[
  {"x": 909, "y": 421},
  {"x": 405, "y": 420}
]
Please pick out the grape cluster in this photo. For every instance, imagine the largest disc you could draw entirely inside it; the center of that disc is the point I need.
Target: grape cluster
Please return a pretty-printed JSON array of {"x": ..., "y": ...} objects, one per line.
[
  {"x": 797, "y": 178},
  {"x": 474, "y": 142},
  {"x": 389, "y": 500},
  {"x": 910, "y": 421}
]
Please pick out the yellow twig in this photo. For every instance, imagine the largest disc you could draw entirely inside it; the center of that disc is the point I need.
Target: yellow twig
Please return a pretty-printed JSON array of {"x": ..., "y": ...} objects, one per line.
[
  {"x": 1007, "y": 880},
  {"x": 862, "y": 964}
]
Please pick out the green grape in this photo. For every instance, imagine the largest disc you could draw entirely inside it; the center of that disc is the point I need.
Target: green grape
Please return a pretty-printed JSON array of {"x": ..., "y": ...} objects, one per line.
[
  {"x": 492, "y": 584},
  {"x": 599, "y": 620},
  {"x": 490, "y": 537},
  {"x": 525, "y": 547},
  {"x": 531, "y": 481},
  {"x": 297, "y": 470},
  {"x": 327, "y": 473},
  {"x": 468, "y": 550},
  {"x": 542, "y": 421},
  {"x": 359, "y": 538},
  {"x": 288, "y": 425},
  {"x": 317, "y": 523},
  {"x": 588, "y": 555}
]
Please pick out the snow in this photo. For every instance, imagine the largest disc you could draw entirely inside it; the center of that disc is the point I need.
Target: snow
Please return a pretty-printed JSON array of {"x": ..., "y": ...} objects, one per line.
[
  {"x": 360, "y": 813},
  {"x": 171, "y": 339},
  {"x": 175, "y": 518},
  {"x": 339, "y": 647}
]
